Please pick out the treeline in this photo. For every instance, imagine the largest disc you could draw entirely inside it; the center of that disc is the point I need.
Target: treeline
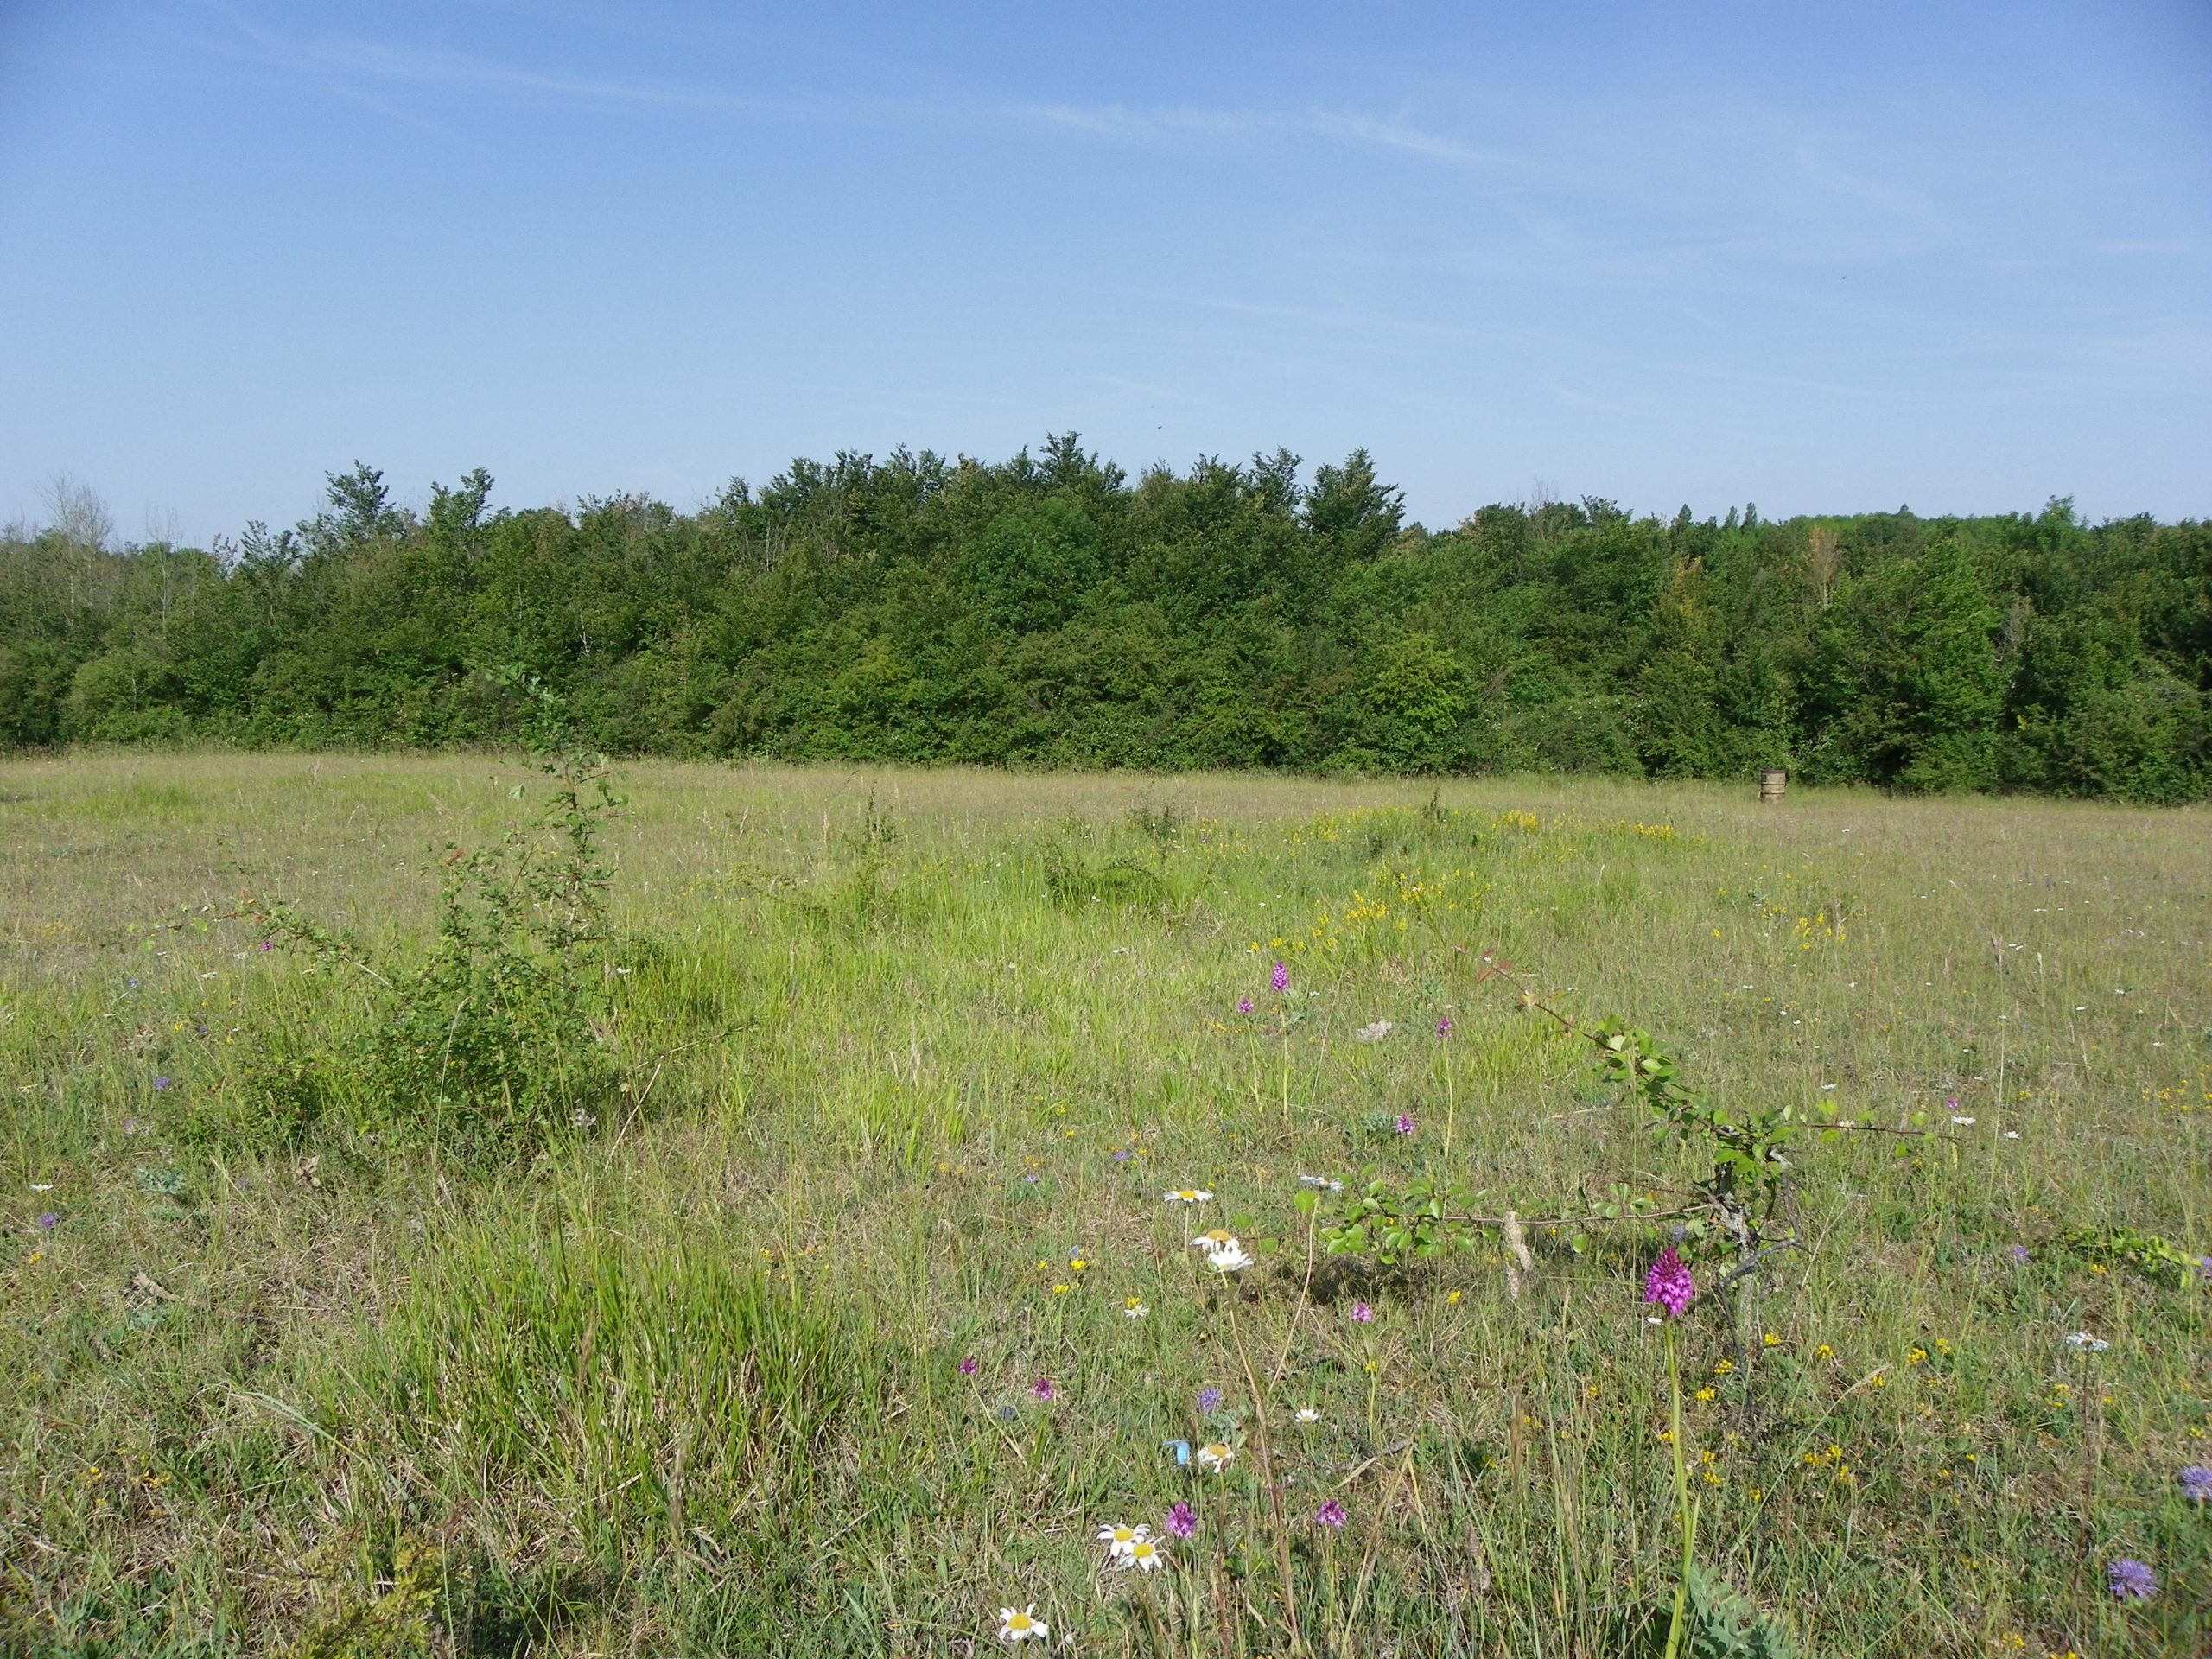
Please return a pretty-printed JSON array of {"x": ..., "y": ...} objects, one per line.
[{"x": 1051, "y": 611}]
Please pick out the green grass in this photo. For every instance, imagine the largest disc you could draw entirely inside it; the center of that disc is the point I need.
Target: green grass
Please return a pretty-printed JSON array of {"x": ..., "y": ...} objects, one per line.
[{"x": 689, "y": 1381}]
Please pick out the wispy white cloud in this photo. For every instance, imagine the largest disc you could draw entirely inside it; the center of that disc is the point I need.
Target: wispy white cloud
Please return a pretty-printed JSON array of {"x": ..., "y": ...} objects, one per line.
[
  {"x": 345, "y": 63},
  {"x": 1345, "y": 127}
]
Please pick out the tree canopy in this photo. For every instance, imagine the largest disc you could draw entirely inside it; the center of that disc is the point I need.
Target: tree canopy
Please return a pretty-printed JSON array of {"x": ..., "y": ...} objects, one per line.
[{"x": 1050, "y": 611}]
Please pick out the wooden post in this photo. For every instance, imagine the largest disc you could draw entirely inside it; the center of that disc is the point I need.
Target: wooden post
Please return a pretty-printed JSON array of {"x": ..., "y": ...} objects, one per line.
[{"x": 1773, "y": 781}]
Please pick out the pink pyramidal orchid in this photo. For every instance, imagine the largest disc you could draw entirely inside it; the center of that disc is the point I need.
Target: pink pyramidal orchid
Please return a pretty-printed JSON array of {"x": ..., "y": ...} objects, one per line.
[{"x": 1669, "y": 1284}]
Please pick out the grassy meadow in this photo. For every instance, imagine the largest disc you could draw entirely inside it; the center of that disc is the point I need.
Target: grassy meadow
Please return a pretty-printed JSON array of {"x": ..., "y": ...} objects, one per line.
[{"x": 852, "y": 1308}]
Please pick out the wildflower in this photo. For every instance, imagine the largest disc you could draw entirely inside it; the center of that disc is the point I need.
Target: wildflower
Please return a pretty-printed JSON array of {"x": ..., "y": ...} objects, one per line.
[
  {"x": 1444, "y": 1026},
  {"x": 1669, "y": 1284},
  {"x": 1308, "y": 1415},
  {"x": 48, "y": 1221},
  {"x": 1452, "y": 1300},
  {"x": 1061, "y": 1290},
  {"x": 1024, "y": 1626},
  {"x": 42, "y": 1186},
  {"x": 2086, "y": 1343},
  {"x": 2196, "y": 1484},
  {"x": 161, "y": 1083},
  {"x": 1963, "y": 1123},
  {"x": 1824, "y": 1352},
  {"x": 967, "y": 1366},
  {"x": 1133, "y": 1309},
  {"x": 1119, "y": 1540},
  {"x": 1405, "y": 1124},
  {"x": 1770, "y": 1340},
  {"x": 1189, "y": 1195},
  {"x": 1225, "y": 1255},
  {"x": 1244, "y": 1005},
  {"x": 1319, "y": 1182},
  {"x": 1208, "y": 1402},
  {"x": 1722, "y": 1367},
  {"x": 1215, "y": 1458},
  {"x": 2130, "y": 1581},
  {"x": 1042, "y": 1388},
  {"x": 2017, "y": 1255},
  {"x": 1144, "y": 1555},
  {"x": 1279, "y": 980},
  {"x": 1362, "y": 1314},
  {"x": 1182, "y": 1521},
  {"x": 1708, "y": 1395},
  {"x": 1121, "y": 1155},
  {"x": 1331, "y": 1514}
]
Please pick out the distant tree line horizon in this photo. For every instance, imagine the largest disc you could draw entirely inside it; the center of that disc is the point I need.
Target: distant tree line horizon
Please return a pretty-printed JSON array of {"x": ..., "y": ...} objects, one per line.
[{"x": 1050, "y": 611}]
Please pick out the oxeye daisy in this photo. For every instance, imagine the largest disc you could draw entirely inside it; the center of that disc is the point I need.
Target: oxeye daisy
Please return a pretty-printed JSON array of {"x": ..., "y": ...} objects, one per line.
[
  {"x": 1119, "y": 1541},
  {"x": 1024, "y": 1626},
  {"x": 1308, "y": 1415},
  {"x": 1228, "y": 1256},
  {"x": 1133, "y": 1309},
  {"x": 1189, "y": 1195},
  {"x": 1215, "y": 1458},
  {"x": 1144, "y": 1555}
]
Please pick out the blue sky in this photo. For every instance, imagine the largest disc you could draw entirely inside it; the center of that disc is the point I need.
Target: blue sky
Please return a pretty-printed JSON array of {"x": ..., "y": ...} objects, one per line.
[{"x": 1821, "y": 258}]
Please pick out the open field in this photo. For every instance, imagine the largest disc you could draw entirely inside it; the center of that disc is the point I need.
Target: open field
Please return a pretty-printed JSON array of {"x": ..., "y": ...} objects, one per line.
[{"x": 892, "y": 1070}]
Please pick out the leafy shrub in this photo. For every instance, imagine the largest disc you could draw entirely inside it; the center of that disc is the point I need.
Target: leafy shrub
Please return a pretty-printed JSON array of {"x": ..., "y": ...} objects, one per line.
[{"x": 496, "y": 1041}]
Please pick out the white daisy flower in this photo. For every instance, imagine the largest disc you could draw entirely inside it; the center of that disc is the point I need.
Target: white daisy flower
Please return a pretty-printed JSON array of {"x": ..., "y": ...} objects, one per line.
[
  {"x": 2087, "y": 1344},
  {"x": 1024, "y": 1626},
  {"x": 1215, "y": 1458},
  {"x": 1308, "y": 1415},
  {"x": 1135, "y": 1309},
  {"x": 42, "y": 1186},
  {"x": 1230, "y": 1256},
  {"x": 1189, "y": 1195},
  {"x": 1119, "y": 1541},
  {"x": 1143, "y": 1555},
  {"x": 1967, "y": 1122},
  {"x": 1319, "y": 1182}
]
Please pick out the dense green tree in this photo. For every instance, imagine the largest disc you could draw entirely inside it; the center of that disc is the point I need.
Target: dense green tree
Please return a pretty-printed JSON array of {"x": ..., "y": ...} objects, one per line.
[{"x": 1049, "y": 611}]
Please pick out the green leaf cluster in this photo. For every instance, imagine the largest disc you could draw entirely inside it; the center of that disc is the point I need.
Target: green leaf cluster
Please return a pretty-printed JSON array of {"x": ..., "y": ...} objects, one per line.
[{"x": 1051, "y": 611}]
